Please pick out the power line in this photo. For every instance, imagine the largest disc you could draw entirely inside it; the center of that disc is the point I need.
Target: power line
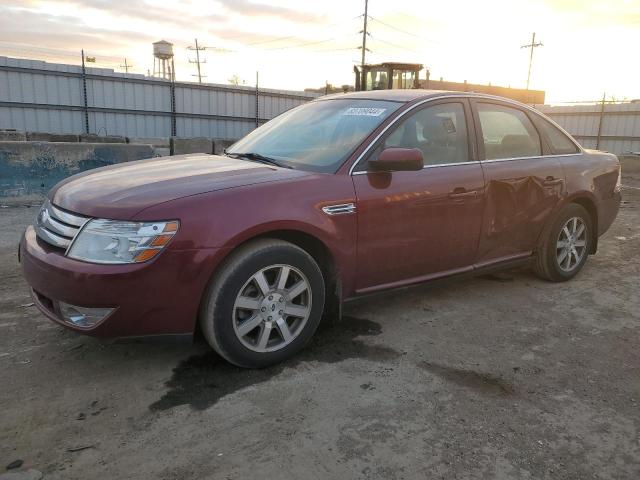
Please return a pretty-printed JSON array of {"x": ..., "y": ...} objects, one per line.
[
  {"x": 397, "y": 29},
  {"x": 305, "y": 44},
  {"x": 532, "y": 45},
  {"x": 277, "y": 39},
  {"x": 403, "y": 47},
  {"x": 335, "y": 50},
  {"x": 302, "y": 44}
]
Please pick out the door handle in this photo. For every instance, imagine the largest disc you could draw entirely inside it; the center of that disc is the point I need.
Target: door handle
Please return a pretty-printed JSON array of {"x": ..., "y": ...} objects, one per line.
[
  {"x": 550, "y": 181},
  {"x": 461, "y": 194}
]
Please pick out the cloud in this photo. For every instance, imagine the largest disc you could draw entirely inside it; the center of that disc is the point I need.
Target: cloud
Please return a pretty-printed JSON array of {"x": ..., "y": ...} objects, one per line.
[
  {"x": 247, "y": 7},
  {"x": 599, "y": 13},
  {"x": 66, "y": 23},
  {"x": 177, "y": 15},
  {"x": 52, "y": 31}
]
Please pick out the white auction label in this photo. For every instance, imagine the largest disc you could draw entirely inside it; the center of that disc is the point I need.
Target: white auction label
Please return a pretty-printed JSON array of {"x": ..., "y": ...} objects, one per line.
[{"x": 365, "y": 111}]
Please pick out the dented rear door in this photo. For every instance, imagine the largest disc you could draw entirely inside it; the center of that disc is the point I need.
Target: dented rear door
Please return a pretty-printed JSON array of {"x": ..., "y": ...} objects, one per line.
[{"x": 523, "y": 183}]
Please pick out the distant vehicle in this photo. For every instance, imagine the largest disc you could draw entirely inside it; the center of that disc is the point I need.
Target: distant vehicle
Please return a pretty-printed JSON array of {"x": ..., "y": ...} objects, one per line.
[
  {"x": 387, "y": 76},
  {"x": 340, "y": 197}
]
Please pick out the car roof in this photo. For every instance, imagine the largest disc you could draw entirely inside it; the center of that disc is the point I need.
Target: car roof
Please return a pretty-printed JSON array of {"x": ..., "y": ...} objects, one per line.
[
  {"x": 405, "y": 96},
  {"x": 390, "y": 95}
]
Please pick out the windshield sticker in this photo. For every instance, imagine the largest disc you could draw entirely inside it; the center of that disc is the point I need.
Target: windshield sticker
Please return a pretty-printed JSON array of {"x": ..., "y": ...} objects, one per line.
[{"x": 365, "y": 112}]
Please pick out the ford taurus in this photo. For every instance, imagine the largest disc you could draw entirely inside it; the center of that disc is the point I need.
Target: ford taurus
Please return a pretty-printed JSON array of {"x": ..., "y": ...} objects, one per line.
[{"x": 340, "y": 197}]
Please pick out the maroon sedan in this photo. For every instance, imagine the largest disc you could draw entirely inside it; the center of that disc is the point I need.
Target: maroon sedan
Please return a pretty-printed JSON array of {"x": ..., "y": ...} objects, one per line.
[{"x": 343, "y": 196}]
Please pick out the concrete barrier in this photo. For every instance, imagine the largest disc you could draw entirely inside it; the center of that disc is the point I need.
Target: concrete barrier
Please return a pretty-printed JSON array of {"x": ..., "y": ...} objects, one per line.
[
  {"x": 161, "y": 152},
  {"x": 158, "y": 142},
  {"x": 29, "y": 169},
  {"x": 180, "y": 146},
  {"x": 219, "y": 146},
  {"x": 93, "y": 138},
  {"x": 52, "y": 137},
  {"x": 12, "y": 136},
  {"x": 31, "y": 163},
  {"x": 630, "y": 164}
]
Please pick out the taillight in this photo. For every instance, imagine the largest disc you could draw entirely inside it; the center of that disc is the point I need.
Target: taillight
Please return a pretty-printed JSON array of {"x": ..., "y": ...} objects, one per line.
[{"x": 619, "y": 182}]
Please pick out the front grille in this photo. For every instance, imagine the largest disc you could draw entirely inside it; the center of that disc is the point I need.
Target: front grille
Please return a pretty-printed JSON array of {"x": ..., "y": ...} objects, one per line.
[{"x": 58, "y": 227}]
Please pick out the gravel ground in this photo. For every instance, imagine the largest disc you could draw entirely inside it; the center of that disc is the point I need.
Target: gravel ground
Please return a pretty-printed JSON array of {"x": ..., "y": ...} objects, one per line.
[{"x": 500, "y": 377}]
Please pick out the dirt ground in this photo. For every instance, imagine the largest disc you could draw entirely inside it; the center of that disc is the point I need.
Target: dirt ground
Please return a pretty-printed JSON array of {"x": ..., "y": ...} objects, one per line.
[{"x": 503, "y": 377}]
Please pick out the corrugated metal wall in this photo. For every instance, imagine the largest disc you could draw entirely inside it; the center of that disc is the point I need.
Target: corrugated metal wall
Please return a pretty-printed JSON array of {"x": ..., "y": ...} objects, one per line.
[
  {"x": 618, "y": 124},
  {"x": 43, "y": 97}
]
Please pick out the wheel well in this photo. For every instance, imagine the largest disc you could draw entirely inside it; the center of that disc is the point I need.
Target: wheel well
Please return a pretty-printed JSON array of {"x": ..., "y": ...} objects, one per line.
[{"x": 591, "y": 209}]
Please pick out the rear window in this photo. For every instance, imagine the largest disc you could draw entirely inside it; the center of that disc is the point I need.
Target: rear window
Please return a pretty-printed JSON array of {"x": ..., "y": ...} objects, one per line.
[
  {"x": 507, "y": 132},
  {"x": 559, "y": 142}
]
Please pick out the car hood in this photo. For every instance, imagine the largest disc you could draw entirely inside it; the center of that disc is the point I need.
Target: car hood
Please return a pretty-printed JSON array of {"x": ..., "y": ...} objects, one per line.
[{"x": 121, "y": 191}]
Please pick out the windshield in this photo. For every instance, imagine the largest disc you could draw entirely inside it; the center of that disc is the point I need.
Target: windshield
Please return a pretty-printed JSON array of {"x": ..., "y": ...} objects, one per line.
[{"x": 316, "y": 136}]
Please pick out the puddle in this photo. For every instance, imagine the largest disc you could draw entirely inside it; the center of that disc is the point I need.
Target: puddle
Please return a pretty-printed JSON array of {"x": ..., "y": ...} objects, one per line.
[
  {"x": 201, "y": 380},
  {"x": 482, "y": 382}
]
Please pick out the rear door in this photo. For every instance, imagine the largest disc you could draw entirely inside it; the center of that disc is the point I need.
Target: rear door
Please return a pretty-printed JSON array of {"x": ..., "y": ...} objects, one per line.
[
  {"x": 524, "y": 182},
  {"x": 420, "y": 224}
]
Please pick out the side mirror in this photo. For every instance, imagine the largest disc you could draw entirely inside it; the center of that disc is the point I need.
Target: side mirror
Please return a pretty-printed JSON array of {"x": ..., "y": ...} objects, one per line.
[{"x": 397, "y": 159}]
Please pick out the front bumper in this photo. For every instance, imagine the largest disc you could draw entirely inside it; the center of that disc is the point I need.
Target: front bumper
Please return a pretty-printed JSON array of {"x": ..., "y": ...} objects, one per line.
[{"x": 160, "y": 297}]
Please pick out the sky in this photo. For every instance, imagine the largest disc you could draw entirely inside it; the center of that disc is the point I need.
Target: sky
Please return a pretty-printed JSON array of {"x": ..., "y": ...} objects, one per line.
[{"x": 590, "y": 47}]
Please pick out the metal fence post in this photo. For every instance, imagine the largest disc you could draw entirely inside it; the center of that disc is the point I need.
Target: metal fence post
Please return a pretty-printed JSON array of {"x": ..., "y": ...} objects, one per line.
[
  {"x": 257, "y": 100},
  {"x": 172, "y": 92},
  {"x": 84, "y": 93},
  {"x": 600, "y": 122}
]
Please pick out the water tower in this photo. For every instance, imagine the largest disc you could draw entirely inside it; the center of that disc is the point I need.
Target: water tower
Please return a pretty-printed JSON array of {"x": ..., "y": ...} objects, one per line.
[{"x": 163, "y": 65}]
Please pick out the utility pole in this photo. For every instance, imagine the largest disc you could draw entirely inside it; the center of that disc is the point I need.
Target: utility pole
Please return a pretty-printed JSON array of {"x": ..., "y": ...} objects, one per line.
[
  {"x": 532, "y": 45},
  {"x": 198, "y": 49},
  {"x": 364, "y": 43},
  {"x": 126, "y": 66}
]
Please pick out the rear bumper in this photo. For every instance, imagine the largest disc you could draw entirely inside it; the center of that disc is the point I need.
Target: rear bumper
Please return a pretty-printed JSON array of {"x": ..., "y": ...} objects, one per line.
[
  {"x": 608, "y": 212},
  {"x": 160, "y": 297}
]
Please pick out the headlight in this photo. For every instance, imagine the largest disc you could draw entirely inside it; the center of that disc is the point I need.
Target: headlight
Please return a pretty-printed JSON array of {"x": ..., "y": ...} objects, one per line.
[{"x": 114, "y": 241}]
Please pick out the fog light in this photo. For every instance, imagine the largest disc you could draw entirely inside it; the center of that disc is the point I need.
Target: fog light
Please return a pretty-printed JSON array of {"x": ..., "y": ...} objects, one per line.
[{"x": 83, "y": 316}]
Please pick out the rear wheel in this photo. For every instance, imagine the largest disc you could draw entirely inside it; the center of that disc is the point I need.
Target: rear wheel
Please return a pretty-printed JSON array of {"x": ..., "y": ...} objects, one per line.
[
  {"x": 566, "y": 248},
  {"x": 264, "y": 304}
]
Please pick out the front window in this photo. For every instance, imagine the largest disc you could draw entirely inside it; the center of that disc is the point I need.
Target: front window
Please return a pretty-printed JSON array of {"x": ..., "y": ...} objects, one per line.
[
  {"x": 317, "y": 136},
  {"x": 440, "y": 132}
]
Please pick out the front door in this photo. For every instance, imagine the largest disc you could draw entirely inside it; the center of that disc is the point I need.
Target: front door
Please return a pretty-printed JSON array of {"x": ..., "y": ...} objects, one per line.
[
  {"x": 523, "y": 185},
  {"x": 417, "y": 225}
]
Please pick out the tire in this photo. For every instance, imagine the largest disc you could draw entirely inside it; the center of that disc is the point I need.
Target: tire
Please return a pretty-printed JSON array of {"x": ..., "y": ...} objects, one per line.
[
  {"x": 551, "y": 262},
  {"x": 259, "y": 293}
]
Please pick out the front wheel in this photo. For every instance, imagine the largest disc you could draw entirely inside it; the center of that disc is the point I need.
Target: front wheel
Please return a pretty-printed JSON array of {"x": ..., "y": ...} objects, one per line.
[
  {"x": 566, "y": 248},
  {"x": 264, "y": 304}
]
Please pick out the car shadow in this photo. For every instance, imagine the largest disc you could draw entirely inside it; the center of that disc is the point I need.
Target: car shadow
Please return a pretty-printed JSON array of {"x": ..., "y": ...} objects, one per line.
[{"x": 202, "y": 380}]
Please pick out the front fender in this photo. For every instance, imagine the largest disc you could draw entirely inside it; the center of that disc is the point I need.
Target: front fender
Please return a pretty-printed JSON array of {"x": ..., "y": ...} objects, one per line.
[{"x": 227, "y": 218}]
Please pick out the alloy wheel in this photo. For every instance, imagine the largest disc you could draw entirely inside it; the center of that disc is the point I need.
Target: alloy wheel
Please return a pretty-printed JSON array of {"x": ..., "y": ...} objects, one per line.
[
  {"x": 571, "y": 246},
  {"x": 272, "y": 308}
]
